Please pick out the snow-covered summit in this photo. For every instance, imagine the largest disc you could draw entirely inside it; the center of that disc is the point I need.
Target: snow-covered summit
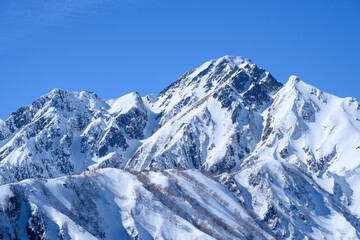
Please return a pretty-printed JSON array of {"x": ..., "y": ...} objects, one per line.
[
  {"x": 288, "y": 155},
  {"x": 231, "y": 61},
  {"x": 223, "y": 75},
  {"x": 65, "y": 132},
  {"x": 315, "y": 134},
  {"x": 124, "y": 103}
]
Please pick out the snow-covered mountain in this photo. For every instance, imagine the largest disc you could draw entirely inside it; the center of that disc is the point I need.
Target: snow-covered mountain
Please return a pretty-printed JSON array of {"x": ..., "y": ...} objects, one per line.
[
  {"x": 65, "y": 132},
  {"x": 210, "y": 117},
  {"x": 264, "y": 161}
]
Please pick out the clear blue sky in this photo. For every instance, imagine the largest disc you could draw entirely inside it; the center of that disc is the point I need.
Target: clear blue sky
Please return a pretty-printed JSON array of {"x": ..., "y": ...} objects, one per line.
[{"x": 114, "y": 47}]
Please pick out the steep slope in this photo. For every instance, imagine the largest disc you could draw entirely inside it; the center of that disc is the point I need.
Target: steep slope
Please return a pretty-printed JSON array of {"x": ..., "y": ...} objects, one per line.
[
  {"x": 210, "y": 117},
  {"x": 172, "y": 204},
  {"x": 133, "y": 116},
  {"x": 114, "y": 204},
  {"x": 321, "y": 130},
  {"x": 65, "y": 132},
  {"x": 286, "y": 160},
  {"x": 303, "y": 172}
]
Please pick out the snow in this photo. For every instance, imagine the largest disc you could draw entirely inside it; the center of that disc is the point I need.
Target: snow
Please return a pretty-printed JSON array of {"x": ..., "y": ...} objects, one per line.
[
  {"x": 74, "y": 230},
  {"x": 231, "y": 60},
  {"x": 292, "y": 160},
  {"x": 124, "y": 207},
  {"x": 124, "y": 103},
  {"x": 5, "y": 193},
  {"x": 159, "y": 179}
]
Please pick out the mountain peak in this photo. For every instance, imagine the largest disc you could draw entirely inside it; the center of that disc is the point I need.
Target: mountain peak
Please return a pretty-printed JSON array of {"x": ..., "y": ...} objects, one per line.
[
  {"x": 285, "y": 157},
  {"x": 293, "y": 80},
  {"x": 295, "y": 83},
  {"x": 296, "y": 87},
  {"x": 125, "y": 103},
  {"x": 228, "y": 72},
  {"x": 232, "y": 61},
  {"x": 58, "y": 90},
  {"x": 62, "y": 92}
]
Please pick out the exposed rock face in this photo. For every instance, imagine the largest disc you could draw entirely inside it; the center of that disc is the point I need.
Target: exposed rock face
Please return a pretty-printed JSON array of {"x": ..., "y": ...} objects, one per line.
[
  {"x": 65, "y": 132},
  {"x": 224, "y": 96},
  {"x": 285, "y": 156},
  {"x": 134, "y": 121}
]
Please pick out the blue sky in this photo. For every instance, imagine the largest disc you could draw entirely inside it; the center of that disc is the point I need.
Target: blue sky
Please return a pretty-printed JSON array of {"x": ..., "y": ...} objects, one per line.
[{"x": 114, "y": 47}]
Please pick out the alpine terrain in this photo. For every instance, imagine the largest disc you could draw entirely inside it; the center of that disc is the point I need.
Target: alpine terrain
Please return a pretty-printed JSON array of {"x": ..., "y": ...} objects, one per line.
[{"x": 225, "y": 152}]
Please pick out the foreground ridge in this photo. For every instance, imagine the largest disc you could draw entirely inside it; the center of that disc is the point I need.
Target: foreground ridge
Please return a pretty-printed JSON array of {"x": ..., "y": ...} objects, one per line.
[{"x": 264, "y": 160}]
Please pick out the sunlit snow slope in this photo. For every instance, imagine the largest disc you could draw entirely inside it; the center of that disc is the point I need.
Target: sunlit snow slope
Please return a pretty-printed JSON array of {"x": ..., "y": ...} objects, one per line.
[{"x": 225, "y": 152}]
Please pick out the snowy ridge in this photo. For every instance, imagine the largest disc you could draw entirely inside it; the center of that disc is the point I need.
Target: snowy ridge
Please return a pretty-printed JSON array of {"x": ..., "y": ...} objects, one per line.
[
  {"x": 66, "y": 132},
  {"x": 317, "y": 134},
  {"x": 204, "y": 112},
  {"x": 124, "y": 103},
  {"x": 113, "y": 204},
  {"x": 264, "y": 161}
]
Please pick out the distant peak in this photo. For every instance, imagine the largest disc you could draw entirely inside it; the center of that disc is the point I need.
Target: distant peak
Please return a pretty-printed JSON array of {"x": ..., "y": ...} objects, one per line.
[
  {"x": 298, "y": 87},
  {"x": 136, "y": 94},
  {"x": 125, "y": 103},
  {"x": 294, "y": 82},
  {"x": 293, "y": 79},
  {"x": 231, "y": 60},
  {"x": 133, "y": 96},
  {"x": 58, "y": 91},
  {"x": 215, "y": 73},
  {"x": 62, "y": 92}
]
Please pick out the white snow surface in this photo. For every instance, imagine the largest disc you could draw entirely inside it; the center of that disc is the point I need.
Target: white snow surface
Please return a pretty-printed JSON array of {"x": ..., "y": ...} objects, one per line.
[
  {"x": 124, "y": 103},
  {"x": 114, "y": 204},
  {"x": 277, "y": 161}
]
